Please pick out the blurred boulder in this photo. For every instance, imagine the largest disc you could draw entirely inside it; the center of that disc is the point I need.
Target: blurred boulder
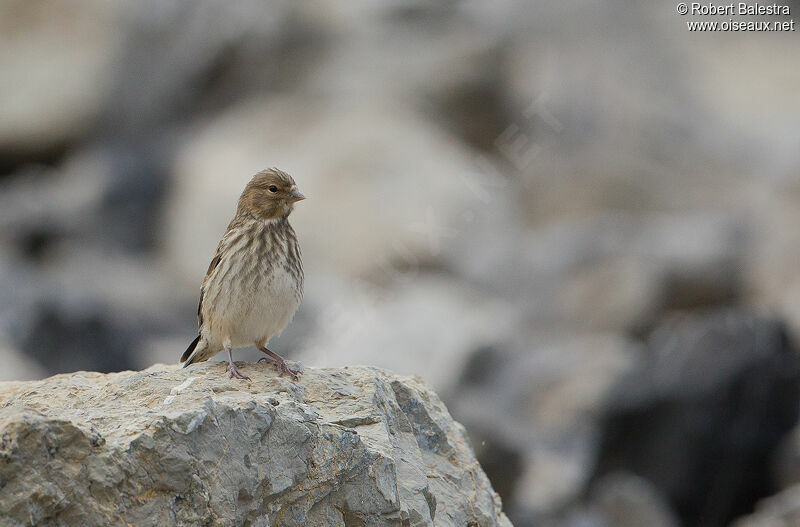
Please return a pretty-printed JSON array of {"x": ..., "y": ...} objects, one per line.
[
  {"x": 56, "y": 59},
  {"x": 41, "y": 209},
  {"x": 427, "y": 325},
  {"x": 618, "y": 500},
  {"x": 16, "y": 366},
  {"x": 600, "y": 128},
  {"x": 781, "y": 510},
  {"x": 606, "y": 271},
  {"x": 371, "y": 44},
  {"x": 697, "y": 413},
  {"x": 533, "y": 410},
  {"x": 384, "y": 184},
  {"x": 703, "y": 411},
  {"x": 185, "y": 59},
  {"x": 108, "y": 194},
  {"x": 773, "y": 273},
  {"x": 458, "y": 72},
  {"x": 83, "y": 309},
  {"x": 80, "y": 290},
  {"x": 625, "y": 500},
  {"x": 65, "y": 341},
  {"x": 131, "y": 208}
]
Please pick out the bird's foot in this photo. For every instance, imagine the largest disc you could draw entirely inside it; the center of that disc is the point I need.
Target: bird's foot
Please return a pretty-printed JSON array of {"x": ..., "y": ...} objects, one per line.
[
  {"x": 280, "y": 364},
  {"x": 268, "y": 360},
  {"x": 233, "y": 371}
]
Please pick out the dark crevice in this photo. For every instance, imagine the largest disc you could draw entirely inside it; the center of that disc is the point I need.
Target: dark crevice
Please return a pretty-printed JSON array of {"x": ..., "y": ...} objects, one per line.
[
  {"x": 16, "y": 161},
  {"x": 503, "y": 466}
]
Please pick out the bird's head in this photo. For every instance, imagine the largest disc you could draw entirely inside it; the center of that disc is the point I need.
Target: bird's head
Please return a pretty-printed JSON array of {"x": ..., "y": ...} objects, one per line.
[{"x": 271, "y": 194}]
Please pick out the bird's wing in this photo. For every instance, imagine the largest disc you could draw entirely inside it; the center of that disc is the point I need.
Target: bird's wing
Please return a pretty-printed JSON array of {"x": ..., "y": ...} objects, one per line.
[
  {"x": 232, "y": 235},
  {"x": 211, "y": 267}
]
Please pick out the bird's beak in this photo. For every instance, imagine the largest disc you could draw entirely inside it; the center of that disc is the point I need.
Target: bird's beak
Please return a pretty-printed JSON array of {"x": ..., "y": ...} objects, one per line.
[{"x": 296, "y": 194}]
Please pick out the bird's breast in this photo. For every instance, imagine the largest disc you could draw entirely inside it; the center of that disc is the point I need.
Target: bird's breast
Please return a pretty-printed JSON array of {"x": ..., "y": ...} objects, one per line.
[{"x": 255, "y": 293}]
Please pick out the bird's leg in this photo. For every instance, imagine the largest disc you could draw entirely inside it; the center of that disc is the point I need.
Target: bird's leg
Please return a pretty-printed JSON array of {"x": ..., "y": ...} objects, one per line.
[
  {"x": 232, "y": 370},
  {"x": 278, "y": 361}
]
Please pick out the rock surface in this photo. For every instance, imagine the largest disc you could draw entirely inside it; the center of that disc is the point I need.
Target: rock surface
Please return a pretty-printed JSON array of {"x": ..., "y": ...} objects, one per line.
[{"x": 165, "y": 446}]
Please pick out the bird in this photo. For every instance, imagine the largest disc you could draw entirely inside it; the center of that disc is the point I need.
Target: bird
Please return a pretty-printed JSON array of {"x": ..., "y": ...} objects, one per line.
[{"x": 254, "y": 283}]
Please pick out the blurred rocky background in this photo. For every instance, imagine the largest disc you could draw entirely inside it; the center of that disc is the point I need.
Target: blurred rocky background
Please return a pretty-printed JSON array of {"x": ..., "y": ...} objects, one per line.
[{"x": 576, "y": 220}]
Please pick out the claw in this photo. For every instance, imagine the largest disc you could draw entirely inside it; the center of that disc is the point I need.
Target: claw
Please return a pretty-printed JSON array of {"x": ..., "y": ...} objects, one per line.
[
  {"x": 283, "y": 368},
  {"x": 233, "y": 371},
  {"x": 279, "y": 363}
]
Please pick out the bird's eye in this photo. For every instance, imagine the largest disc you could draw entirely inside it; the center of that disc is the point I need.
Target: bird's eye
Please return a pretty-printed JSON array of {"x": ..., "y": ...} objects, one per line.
[{"x": 273, "y": 188}]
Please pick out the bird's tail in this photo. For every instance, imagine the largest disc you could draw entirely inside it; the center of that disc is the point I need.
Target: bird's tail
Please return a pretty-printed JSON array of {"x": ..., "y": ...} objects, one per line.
[{"x": 190, "y": 355}]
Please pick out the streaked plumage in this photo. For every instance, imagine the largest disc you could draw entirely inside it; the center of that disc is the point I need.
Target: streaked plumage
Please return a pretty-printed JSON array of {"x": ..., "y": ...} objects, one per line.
[{"x": 254, "y": 283}]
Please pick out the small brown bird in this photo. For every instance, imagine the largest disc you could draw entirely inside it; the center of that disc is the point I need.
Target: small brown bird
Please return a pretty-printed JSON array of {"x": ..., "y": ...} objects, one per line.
[{"x": 254, "y": 284}]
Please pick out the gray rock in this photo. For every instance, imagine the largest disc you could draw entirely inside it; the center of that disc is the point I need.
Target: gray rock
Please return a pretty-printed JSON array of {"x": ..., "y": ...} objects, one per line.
[
  {"x": 93, "y": 310},
  {"x": 625, "y": 500},
  {"x": 53, "y": 91},
  {"x": 166, "y": 446},
  {"x": 428, "y": 326},
  {"x": 533, "y": 412},
  {"x": 183, "y": 58},
  {"x": 709, "y": 402},
  {"x": 617, "y": 500},
  {"x": 606, "y": 271},
  {"x": 782, "y": 510},
  {"x": 41, "y": 207},
  {"x": 16, "y": 365}
]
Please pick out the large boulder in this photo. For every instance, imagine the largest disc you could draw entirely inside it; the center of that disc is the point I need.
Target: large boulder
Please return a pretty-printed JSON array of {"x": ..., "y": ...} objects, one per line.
[
  {"x": 168, "y": 446},
  {"x": 386, "y": 188},
  {"x": 706, "y": 398},
  {"x": 56, "y": 58},
  {"x": 608, "y": 271},
  {"x": 781, "y": 510},
  {"x": 533, "y": 408},
  {"x": 704, "y": 411},
  {"x": 429, "y": 326}
]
